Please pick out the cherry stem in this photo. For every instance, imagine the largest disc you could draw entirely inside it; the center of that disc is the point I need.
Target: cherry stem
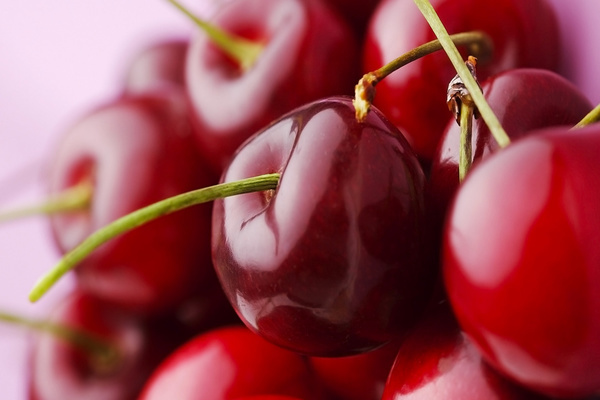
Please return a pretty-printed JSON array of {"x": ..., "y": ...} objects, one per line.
[
  {"x": 147, "y": 214},
  {"x": 466, "y": 133},
  {"x": 245, "y": 52},
  {"x": 483, "y": 107},
  {"x": 75, "y": 198},
  {"x": 479, "y": 43},
  {"x": 592, "y": 117},
  {"x": 104, "y": 353}
]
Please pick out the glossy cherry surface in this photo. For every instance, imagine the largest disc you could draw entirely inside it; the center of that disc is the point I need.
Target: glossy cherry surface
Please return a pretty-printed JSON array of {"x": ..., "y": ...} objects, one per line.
[
  {"x": 523, "y": 99},
  {"x": 332, "y": 262},
  {"x": 521, "y": 260},
  {"x": 309, "y": 53},
  {"x": 359, "y": 377},
  {"x": 438, "y": 362},
  {"x": 135, "y": 151},
  {"x": 230, "y": 363},
  {"x": 59, "y": 370},
  {"x": 524, "y": 34},
  {"x": 158, "y": 65}
]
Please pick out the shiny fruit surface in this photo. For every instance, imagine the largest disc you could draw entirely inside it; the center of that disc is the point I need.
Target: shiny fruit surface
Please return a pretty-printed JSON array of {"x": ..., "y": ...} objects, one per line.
[
  {"x": 334, "y": 261},
  {"x": 135, "y": 151},
  {"x": 524, "y": 34},
  {"x": 308, "y": 53},
  {"x": 229, "y": 363},
  {"x": 521, "y": 260}
]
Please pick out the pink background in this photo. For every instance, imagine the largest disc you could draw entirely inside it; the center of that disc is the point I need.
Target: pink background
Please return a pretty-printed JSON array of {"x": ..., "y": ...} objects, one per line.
[{"x": 60, "y": 57}]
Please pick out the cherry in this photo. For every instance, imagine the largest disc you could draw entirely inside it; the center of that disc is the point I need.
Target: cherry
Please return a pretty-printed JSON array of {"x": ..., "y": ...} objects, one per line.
[
  {"x": 61, "y": 370},
  {"x": 268, "y": 397},
  {"x": 229, "y": 363},
  {"x": 306, "y": 52},
  {"x": 524, "y": 99},
  {"x": 356, "y": 12},
  {"x": 359, "y": 377},
  {"x": 135, "y": 151},
  {"x": 158, "y": 65},
  {"x": 334, "y": 260},
  {"x": 437, "y": 361},
  {"x": 524, "y": 35},
  {"x": 520, "y": 260}
]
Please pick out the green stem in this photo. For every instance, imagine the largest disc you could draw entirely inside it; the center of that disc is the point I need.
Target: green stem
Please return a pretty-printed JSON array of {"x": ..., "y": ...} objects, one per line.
[
  {"x": 103, "y": 352},
  {"x": 147, "y": 214},
  {"x": 482, "y": 106},
  {"x": 466, "y": 147},
  {"x": 245, "y": 52},
  {"x": 592, "y": 117},
  {"x": 75, "y": 198},
  {"x": 479, "y": 43}
]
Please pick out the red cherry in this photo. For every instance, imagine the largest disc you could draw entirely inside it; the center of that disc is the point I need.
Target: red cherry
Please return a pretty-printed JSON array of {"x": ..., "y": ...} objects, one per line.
[
  {"x": 156, "y": 66},
  {"x": 136, "y": 151},
  {"x": 229, "y": 363},
  {"x": 334, "y": 261},
  {"x": 523, "y": 99},
  {"x": 309, "y": 53},
  {"x": 359, "y": 377},
  {"x": 437, "y": 362},
  {"x": 356, "y": 12},
  {"x": 521, "y": 260},
  {"x": 524, "y": 34},
  {"x": 268, "y": 397},
  {"x": 59, "y": 370}
]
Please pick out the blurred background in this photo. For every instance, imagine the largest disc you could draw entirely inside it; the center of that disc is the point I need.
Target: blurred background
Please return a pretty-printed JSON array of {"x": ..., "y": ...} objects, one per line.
[{"x": 59, "y": 58}]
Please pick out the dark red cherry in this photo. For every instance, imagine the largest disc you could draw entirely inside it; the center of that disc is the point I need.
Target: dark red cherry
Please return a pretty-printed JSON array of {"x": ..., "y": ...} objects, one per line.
[
  {"x": 524, "y": 34},
  {"x": 334, "y": 261},
  {"x": 156, "y": 66},
  {"x": 60, "y": 370},
  {"x": 356, "y": 12},
  {"x": 523, "y": 100},
  {"x": 359, "y": 377},
  {"x": 521, "y": 260},
  {"x": 230, "y": 363},
  {"x": 135, "y": 151},
  {"x": 309, "y": 53},
  {"x": 438, "y": 362},
  {"x": 268, "y": 397}
]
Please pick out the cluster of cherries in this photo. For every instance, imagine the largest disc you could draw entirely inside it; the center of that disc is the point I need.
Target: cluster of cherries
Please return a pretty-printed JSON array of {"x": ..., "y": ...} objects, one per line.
[{"x": 343, "y": 257}]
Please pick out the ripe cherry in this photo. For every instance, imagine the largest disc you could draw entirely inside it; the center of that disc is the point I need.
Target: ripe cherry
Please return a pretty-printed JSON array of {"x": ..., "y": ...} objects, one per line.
[
  {"x": 60, "y": 370},
  {"x": 230, "y": 363},
  {"x": 524, "y": 34},
  {"x": 437, "y": 362},
  {"x": 359, "y": 377},
  {"x": 334, "y": 260},
  {"x": 524, "y": 99},
  {"x": 308, "y": 52},
  {"x": 156, "y": 66},
  {"x": 135, "y": 151},
  {"x": 521, "y": 260}
]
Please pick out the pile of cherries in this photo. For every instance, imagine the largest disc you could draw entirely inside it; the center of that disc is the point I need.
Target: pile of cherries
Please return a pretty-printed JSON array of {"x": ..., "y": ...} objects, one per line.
[{"x": 369, "y": 270}]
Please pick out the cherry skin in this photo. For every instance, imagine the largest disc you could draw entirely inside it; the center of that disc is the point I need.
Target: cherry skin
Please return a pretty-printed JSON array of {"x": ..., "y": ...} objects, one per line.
[
  {"x": 309, "y": 53},
  {"x": 334, "y": 261},
  {"x": 437, "y": 362},
  {"x": 356, "y": 12},
  {"x": 359, "y": 377},
  {"x": 524, "y": 99},
  {"x": 229, "y": 363},
  {"x": 158, "y": 65},
  {"x": 59, "y": 370},
  {"x": 521, "y": 260},
  {"x": 135, "y": 151},
  {"x": 524, "y": 34},
  {"x": 268, "y": 397}
]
